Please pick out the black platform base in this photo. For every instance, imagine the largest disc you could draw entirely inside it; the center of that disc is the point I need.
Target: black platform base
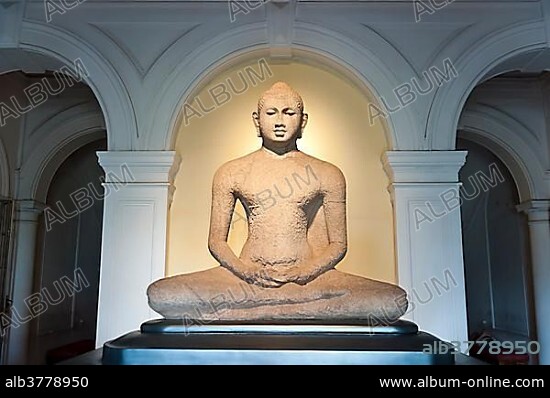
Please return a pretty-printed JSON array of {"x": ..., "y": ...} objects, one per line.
[{"x": 164, "y": 342}]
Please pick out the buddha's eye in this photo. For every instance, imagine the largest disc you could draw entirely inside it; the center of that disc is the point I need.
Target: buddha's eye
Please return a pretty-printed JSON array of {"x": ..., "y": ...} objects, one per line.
[
  {"x": 290, "y": 112},
  {"x": 270, "y": 112}
]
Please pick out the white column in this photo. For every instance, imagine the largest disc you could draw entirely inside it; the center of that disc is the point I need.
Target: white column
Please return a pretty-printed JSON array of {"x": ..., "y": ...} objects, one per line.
[
  {"x": 425, "y": 190},
  {"x": 26, "y": 222},
  {"x": 538, "y": 213},
  {"x": 138, "y": 189}
]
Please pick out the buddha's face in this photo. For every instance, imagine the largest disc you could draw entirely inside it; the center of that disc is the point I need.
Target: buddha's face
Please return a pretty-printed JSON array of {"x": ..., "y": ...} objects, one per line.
[{"x": 279, "y": 120}]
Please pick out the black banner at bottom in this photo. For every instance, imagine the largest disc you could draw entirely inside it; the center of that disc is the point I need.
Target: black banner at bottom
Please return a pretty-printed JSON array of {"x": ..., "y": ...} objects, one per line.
[{"x": 185, "y": 379}]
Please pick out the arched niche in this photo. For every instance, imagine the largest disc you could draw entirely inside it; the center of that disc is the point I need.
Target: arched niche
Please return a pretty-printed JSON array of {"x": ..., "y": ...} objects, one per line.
[
  {"x": 338, "y": 131},
  {"x": 374, "y": 65}
]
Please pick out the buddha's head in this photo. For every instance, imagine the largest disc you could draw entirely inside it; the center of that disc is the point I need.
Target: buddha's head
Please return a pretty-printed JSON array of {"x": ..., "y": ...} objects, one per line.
[{"x": 280, "y": 118}]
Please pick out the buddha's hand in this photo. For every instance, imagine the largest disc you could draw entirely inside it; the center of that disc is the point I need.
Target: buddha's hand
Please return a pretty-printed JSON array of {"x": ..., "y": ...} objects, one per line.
[
  {"x": 255, "y": 274},
  {"x": 300, "y": 274}
]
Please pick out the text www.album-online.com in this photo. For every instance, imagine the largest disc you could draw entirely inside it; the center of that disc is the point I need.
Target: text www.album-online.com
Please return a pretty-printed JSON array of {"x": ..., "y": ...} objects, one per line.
[{"x": 485, "y": 382}]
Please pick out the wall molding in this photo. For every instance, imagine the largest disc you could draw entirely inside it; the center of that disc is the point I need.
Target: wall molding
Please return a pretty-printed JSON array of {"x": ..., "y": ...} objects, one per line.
[{"x": 510, "y": 141}]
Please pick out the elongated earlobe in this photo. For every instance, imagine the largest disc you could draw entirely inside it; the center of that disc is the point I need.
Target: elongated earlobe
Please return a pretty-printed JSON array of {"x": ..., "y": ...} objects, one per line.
[
  {"x": 303, "y": 126},
  {"x": 256, "y": 121}
]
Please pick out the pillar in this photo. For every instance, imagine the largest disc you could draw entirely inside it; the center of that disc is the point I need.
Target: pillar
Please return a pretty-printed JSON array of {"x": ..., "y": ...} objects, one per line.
[
  {"x": 138, "y": 189},
  {"x": 25, "y": 227},
  {"x": 538, "y": 213},
  {"x": 425, "y": 196}
]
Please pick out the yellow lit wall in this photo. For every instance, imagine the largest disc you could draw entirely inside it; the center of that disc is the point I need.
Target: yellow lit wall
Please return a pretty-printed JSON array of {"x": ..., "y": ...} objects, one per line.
[{"x": 338, "y": 132}]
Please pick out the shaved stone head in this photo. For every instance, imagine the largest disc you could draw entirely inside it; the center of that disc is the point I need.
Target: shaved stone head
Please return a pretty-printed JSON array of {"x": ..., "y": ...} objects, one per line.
[{"x": 281, "y": 90}]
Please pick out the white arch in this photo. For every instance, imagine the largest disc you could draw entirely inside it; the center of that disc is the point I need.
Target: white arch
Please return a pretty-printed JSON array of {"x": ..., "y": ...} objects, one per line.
[
  {"x": 106, "y": 84},
  {"x": 67, "y": 132},
  {"x": 508, "y": 140},
  {"x": 312, "y": 42},
  {"x": 472, "y": 67},
  {"x": 4, "y": 172}
]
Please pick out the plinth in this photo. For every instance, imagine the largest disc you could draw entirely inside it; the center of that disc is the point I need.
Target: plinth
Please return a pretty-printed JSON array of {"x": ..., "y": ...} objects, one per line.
[{"x": 306, "y": 342}]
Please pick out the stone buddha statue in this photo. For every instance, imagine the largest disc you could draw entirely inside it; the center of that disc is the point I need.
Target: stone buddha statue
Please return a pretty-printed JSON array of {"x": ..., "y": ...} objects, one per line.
[{"x": 296, "y": 213}]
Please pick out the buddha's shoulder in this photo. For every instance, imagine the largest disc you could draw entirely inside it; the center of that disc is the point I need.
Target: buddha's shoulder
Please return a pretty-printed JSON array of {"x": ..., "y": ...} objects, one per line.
[
  {"x": 237, "y": 165},
  {"x": 324, "y": 168}
]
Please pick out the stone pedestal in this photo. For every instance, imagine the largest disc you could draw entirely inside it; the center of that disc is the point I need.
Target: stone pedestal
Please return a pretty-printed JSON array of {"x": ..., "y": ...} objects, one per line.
[{"x": 174, "y": 342}]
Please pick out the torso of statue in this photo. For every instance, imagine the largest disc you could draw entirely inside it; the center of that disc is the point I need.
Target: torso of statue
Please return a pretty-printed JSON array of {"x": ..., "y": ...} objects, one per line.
[{"x": 283, "y": 200}]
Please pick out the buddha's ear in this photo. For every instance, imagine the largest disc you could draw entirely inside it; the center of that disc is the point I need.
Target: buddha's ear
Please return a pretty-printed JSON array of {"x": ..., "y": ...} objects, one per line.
[
  {"x": 256, "y": 120},
  {"x": 304, "y": 123}
]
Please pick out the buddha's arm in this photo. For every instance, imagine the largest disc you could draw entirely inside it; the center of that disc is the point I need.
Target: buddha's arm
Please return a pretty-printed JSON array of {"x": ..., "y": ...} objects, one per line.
[
  {"x": 334, "y": 204},
  {"x": 337, "y": 247},
  {"x": 223, "y": 204}
]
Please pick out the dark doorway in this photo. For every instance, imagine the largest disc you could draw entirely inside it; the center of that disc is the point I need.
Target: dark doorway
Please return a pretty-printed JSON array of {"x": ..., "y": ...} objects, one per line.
[
  {"x": 496, "y": 256},
  {"x": 67, "y": 274}
]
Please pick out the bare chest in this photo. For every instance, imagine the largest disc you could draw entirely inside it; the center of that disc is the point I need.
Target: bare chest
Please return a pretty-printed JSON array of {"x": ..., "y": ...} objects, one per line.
[{"x": 290, "y": 186}]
